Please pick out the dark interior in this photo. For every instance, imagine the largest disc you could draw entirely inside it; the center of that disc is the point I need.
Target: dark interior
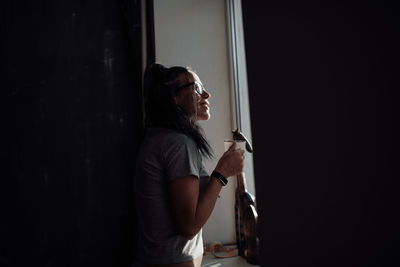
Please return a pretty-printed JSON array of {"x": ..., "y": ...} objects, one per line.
[{"x": 323, "y": 89}]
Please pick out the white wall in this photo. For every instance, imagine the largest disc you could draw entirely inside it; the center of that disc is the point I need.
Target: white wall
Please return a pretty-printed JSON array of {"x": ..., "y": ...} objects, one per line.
[{"x": 195, "y": 33}]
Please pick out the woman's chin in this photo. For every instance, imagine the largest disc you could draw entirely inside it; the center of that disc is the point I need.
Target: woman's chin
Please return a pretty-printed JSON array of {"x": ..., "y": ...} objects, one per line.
[{"x": 203, "y": 117}]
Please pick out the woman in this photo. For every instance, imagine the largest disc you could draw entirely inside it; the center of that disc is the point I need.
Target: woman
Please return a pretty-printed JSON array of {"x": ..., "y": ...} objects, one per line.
[{"x": 174, "y": 194}]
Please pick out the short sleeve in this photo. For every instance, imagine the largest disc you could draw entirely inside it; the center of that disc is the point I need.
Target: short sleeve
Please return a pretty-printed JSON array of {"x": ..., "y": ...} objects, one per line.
[
  {"x": 204, "y": 177},
  {"x": 182, "y": 158}
]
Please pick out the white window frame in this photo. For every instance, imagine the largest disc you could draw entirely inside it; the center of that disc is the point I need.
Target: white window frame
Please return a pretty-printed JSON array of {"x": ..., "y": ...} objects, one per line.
[{"x": 240, "y": 98}]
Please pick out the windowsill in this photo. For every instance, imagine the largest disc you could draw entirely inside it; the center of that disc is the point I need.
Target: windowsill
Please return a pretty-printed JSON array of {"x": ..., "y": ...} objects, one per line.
[{"x": 210, "y": 261}]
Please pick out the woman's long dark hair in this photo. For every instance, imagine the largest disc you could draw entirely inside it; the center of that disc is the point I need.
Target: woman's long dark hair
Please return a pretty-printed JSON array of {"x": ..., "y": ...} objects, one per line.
[{"x": 160, "y": 84}]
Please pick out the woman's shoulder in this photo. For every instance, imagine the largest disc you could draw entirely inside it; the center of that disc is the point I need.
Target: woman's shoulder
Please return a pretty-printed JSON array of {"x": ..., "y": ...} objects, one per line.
[{"x": 170, "y": 137}]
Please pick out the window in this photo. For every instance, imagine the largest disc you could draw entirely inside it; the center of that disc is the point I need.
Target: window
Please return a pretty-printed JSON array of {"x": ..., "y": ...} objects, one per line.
[{"x": 208, "y": 37}]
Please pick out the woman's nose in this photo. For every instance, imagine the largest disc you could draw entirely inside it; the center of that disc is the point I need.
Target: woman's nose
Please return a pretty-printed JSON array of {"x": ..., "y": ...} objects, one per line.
[{"x": 205, "y": 94}]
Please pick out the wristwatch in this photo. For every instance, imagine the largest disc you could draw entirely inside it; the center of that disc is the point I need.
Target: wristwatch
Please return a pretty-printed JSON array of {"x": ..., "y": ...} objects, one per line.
[{"x": 220, "y": 177}]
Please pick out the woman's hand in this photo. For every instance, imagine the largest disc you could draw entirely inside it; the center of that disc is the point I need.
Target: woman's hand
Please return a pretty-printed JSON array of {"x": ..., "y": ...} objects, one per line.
[{"x": 231, "y": 162}]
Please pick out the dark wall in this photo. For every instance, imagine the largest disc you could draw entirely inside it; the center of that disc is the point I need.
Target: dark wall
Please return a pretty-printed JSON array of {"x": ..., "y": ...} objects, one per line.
[
  {"x": 72, "y": 86},
  {"x": 323, "y": 94}
]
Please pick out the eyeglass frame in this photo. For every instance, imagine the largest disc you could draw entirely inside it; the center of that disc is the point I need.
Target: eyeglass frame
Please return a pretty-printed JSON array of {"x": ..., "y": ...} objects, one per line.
[{"x": 199, "y": 85}]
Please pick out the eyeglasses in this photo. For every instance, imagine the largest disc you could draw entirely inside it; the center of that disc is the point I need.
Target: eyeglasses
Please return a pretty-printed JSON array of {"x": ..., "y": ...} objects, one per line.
[{"x": 197, "y": 86}]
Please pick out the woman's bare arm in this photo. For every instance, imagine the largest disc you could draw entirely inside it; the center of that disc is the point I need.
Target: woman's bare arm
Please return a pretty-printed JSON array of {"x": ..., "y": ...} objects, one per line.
[{"x": 192, "y": 208}]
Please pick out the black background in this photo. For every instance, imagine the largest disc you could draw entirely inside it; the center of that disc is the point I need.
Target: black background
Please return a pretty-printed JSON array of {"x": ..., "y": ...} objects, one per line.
[
  {"x": 323, "y": 88},
  {"x": 72, "y": 118},
  {"x": 323, "y": 94}
]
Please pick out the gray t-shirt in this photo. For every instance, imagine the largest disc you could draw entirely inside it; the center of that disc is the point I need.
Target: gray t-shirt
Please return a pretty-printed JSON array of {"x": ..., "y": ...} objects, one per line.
[{"x": 164, "y": 156}]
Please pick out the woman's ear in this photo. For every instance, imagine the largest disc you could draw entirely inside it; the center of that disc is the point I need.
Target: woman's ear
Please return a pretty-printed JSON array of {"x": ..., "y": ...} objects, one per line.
[{"x": 177, "y": 99}]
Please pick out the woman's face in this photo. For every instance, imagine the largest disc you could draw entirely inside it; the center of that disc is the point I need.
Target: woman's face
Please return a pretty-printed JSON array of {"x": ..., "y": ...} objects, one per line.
[{"x": 189, "y": 98}]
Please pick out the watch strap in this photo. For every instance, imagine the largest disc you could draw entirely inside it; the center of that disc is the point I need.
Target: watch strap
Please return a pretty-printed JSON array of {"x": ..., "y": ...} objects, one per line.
[{"x": 220, "y": 177}]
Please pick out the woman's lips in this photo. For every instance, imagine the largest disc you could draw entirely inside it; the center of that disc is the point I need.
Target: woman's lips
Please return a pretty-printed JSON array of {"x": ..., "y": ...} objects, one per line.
[{"x": 205, "y": 105}]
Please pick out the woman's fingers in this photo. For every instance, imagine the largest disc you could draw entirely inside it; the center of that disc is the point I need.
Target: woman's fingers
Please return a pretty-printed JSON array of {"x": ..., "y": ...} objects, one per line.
[
  {"x": 231, "y": 162},
  {"x": 232, "y": 147}
]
